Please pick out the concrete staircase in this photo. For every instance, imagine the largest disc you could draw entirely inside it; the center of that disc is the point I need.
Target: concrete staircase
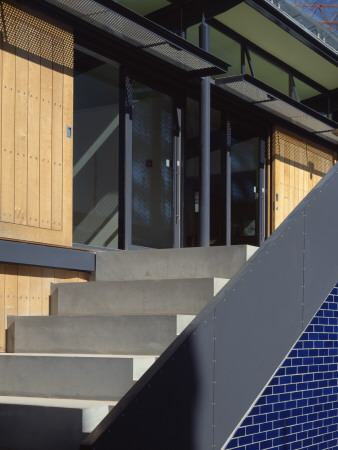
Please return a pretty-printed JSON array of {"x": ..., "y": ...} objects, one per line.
[{"x": 63, "y": 373}]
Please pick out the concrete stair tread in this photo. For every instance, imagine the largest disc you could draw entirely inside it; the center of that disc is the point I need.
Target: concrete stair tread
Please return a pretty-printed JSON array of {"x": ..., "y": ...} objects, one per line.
[
  {"x": 55, "y": 402},
  {"x": 80, "y": 355}
]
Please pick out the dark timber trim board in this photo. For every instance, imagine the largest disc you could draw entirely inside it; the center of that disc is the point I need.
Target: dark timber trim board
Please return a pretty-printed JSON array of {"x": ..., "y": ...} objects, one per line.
[{"x": 46, "y": 256}]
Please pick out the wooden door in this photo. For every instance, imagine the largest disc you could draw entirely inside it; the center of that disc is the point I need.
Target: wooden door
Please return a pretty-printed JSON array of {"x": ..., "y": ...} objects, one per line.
[
  {"x": 36, "y": 96},
  {"x": 297, "y": 166}
]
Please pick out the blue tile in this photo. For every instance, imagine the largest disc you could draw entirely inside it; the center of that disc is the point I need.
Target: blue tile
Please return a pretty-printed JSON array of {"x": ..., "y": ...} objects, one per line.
[
  {"x": 265, "y": 444},
  {"x": 267, "y": 426},
  {"x": 260, "y": 419},
  {"x": 278, "y": 389},
  {"x": 259, "y": 437},
  {"x": 233, "y": 443},
  {"x": 245, "y": 440},
  {"x": 252, "y": 429},
  {"x": 252, "y": 447},
  {"x": 240, "y": 432}
]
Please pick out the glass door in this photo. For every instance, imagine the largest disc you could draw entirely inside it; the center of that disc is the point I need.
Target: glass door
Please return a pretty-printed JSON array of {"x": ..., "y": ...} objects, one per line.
[
  {"x": 153, "y": 172},
  {"x": 245, "y": 185}
]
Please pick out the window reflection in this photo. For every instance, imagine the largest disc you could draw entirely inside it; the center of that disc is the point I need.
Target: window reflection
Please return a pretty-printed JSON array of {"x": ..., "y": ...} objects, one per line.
[
  {"x": 96, "y": 143},
  {"x": 152, "y": 184}
]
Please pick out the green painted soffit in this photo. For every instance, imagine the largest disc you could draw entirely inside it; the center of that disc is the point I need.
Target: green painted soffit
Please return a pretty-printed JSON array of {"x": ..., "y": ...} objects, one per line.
[
  {"x": 143, "y": 7},
  {"x": 255, "y": 27}
]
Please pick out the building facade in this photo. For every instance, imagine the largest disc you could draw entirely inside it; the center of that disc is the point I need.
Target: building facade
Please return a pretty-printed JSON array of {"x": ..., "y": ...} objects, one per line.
[{"x": 153, "y": 124}]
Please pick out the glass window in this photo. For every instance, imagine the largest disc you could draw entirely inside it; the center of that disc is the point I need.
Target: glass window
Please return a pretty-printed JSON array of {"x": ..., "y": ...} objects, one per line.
[
  {"x": 304, "y": 91},
  {"x": 244, "y": 185},
  {"x": 268, "y": 73},
  {"x": 217, "y": 178},
  {"x": 191, "y": 173},
  {"x": 221, "y": 46},
  {"x": 96, "y": 148},
  {"x": 152, "y": 173},
  {"x": 144, "y": 7}
]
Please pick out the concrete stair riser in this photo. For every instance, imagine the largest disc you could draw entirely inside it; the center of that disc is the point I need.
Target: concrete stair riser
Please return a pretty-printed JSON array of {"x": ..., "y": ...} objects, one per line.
[
  {"x": 181, "y": 296},
  {"x": 70, "y": 376},
  {"x": 137, "y": 335},
  {"x": 198, "y": 262},
  {"x": 52, "y": 424}
]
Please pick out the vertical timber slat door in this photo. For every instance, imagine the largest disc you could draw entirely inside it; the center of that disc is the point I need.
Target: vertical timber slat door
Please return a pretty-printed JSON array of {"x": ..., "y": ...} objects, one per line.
[
  {"x": 298, "y": 165},
  {"x": 7, "y": 131},
  {"x": 36, "y": 155},
  {"x": 21, "y": 115},
  {"x": 23, "y": 290},
  {"x": 46, "y": 130},
  {"x": 2, "y": 310}
]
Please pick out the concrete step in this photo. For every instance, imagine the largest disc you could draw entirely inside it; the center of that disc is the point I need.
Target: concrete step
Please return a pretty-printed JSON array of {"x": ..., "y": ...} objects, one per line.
[
  {"x": 47, "y": 423},
  {"x": 176, "y": 296},
  {"x": 94, "y": 377},
  {"x": 197, "y": 262},
  {"x": 117, "y": 335}
]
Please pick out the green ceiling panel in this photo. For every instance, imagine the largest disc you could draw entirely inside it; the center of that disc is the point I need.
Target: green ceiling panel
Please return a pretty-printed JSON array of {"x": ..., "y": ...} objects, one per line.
[{"x": 255, "y": 27}]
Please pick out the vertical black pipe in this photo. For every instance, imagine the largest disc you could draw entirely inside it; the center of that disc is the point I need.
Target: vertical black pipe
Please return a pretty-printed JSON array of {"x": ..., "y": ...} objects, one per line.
[
  {"x": 204, "y": 237},
  {"x": 262, "y": 191},
  {"x": 228, "y": 184},
  {"x": 128, "y": 162},
  {"x": 242, "y": 59}
]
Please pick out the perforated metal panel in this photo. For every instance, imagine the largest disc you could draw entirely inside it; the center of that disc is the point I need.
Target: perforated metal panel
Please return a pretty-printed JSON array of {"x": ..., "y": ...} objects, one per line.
[
  {"x": 162, "y": 43},
  {"x": 262, "y": 96}
]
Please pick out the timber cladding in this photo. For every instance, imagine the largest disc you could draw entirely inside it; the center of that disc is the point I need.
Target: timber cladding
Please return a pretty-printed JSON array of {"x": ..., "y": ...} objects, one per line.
[
  {"x": 25, "y": 291},
  {"x": 36, "y": 98},
  {"x": 297, "y": 166}
]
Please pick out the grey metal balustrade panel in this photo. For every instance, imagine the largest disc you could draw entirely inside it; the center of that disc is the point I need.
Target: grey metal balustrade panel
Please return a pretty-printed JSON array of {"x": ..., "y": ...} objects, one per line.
[{"x": 231, "y": 350}]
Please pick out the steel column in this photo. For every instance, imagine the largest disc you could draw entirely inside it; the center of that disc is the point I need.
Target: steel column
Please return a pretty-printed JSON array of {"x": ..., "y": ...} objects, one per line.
[
  {"x": 128, "y": 161},
  {"x": 228, "y": 185},
  {"x": 262, "y": 191},
  {"x": 204, "y": 238}
]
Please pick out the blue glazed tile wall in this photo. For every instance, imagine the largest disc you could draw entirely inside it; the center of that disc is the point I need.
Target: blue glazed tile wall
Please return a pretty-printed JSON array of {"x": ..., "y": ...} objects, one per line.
[{"x": 299, "y": 407}]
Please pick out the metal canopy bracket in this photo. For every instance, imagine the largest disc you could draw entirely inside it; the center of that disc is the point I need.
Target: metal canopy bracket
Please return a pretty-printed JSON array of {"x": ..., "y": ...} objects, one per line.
[
  {"x": 260, "y": 94},
  {"x": 143, "y": 35}
]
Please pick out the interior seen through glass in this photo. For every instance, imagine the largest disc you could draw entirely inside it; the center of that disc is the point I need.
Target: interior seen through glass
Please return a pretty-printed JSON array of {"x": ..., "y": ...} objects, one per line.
[
  {"x": 96, "y": 144},
  {"x": 152, "y": 173}
]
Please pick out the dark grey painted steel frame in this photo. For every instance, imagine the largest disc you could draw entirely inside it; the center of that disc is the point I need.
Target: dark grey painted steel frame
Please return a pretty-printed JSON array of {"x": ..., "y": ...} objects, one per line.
[
  {"x": 126, "y": 163},
  {"x": 46, "y": 256},
  {"x": 204, "y": 215},
  {"x": 279, "y": 95},
  {"x": 219, "y": 66},
  {"x": 288, "y": 24},
  {"x": 214, "y": 371},
  {"x": 248, "y": 45}
]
